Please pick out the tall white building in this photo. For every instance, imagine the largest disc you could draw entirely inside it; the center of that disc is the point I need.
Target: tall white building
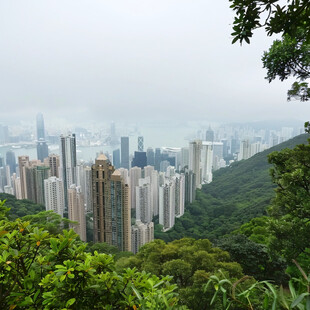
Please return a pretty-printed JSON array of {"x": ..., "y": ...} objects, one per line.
[
  {"x": 84, "y": 180},
  {"x": 149, "y": 171},
  {"x": 76, "y": 211},
  {"x": 3, "y": 181},
  {"x": 68, "y": 163},
  {"x": 195, "y": 160},
  {"x": 217, "y": 154},
  {"x": 144, "y": 210},
  {"x": 184, "y": 158},
  {"x": 124, "y": 174},
  {"x": 255, "y": 148},
  {"x": 245, "y": 150},
  {"x": 167, "y": 204},
  {"x": 141, "y": 234},
  {"x": 8, "y": 190},
  {"x": 206, "y": 161},
  {"x": 16, "y": 186},
  {"x": 170, "y": 171},
  {"x": 87, "y": 189},
  {"x": 54, "y": 195},
  {"x": 134, "y": 175},
  {"x": 8, "y": 175},
  {"x": 23, "y": 162},
  {"x": 179, "y": 182}
]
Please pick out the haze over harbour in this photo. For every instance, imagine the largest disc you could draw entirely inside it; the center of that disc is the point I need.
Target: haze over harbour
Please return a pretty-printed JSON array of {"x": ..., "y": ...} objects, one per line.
[{"x": 156, "y": 134}]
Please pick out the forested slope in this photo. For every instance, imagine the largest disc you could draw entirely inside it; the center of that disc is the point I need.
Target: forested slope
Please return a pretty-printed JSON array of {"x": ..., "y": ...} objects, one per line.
[
  {"x": 20, "y": 208},
  {"x": 237, "y": 194}
]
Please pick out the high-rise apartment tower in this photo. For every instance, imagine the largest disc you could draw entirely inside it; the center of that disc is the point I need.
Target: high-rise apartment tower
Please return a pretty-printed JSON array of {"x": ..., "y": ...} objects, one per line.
[{"x": 111, "y": 205}]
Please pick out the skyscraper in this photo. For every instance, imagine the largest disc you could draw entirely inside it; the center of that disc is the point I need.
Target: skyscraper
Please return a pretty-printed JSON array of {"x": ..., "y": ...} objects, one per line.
[
  {"x": 41, "y": 173},
  {"x": 111, "y": 205},
  {"x": 150, "y": 155},
  {"x": 68, "y": 163},
  {"x": 54, "y": 195},
  {"x": 116, "y": 159},
  {"x": 140, "y": 144},
  {"x": 144, "y": 212},
  {"x": 42, "y": 150},
  {"x": 206, "y": 161},
  {"x": 40, "y": 127},
  {"x": 54, "y": 163},
  {"x": 184, "y": 157},
  {"x": 195, "y": 160},
  {"x": 139, "y": 160},
  {"x": 190, "y": 185},
  {"x": 141, "y": 234},
  {"x": 125, "y": 152},
  {"x": 11, "y": 161},
  {"x": 3, "y": 182},
  {"x": 23, "y": 161},
  {"x": 179, "y": 181},
  {"x": 217, "y": 154},
  {"x": 149, "y": 171},
  {"x": 167, "y": 205},
  {"x": 157, "y": 159},
  {"x": 76, "y": 211},
  {"x": 134, "y": 175}
]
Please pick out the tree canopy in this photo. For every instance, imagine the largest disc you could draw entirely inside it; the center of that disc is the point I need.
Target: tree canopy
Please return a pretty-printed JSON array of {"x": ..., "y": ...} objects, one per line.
[
  {"x": 40, "y": 270},
  {"x": 191, "y": 263},
  {"x": 275, "y": 16},
  {"x": 289, "y": 56},
  {"x": 291, "y": 206}
]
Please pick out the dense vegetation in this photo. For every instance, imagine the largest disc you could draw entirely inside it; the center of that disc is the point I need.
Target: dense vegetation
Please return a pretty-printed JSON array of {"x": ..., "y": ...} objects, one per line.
[
  {"x": 40, "y": 270},
  {"x": 20, "y": 208},
  {"x": 190, "y": 262},
  {"x": 238, "y": 193}
]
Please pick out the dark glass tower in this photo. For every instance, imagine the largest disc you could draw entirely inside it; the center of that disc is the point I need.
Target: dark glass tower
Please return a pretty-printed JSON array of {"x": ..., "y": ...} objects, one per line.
[
  {"x": 139, "y": 160},
  {"x": 157, "y": 159},
  {"x": 125, "y": 152},
  {"x": 42, "y": 150},
  {"x": 11, "y": 161},
  {"x": 116, "y": 158},
  {"x": 150, "y": 155}
]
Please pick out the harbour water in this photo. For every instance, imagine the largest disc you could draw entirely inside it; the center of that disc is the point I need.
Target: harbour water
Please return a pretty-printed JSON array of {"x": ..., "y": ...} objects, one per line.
[{"x": 164, "y": 136}]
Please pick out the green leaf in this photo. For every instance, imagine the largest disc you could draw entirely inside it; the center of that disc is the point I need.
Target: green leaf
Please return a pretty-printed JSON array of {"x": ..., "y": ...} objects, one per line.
[
  {"x": 299, "y": 299},
  {"x": 213, "y": 298},
  {"x": 136, "y": 292},
  {"x": 235, "y": 39},
  {"x": 70, "y": 302}
]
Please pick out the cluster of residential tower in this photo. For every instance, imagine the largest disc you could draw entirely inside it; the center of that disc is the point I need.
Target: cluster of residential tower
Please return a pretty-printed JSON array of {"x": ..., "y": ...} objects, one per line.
[{"x": 121, "y": 196}]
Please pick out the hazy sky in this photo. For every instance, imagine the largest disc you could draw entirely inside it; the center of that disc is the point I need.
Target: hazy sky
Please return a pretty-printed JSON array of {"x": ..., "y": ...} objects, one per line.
[{"x": 136, "y": 60}]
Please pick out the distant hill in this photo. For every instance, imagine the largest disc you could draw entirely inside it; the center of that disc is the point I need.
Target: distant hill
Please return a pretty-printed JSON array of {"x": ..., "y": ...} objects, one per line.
[{"x": 237, "y": 194}]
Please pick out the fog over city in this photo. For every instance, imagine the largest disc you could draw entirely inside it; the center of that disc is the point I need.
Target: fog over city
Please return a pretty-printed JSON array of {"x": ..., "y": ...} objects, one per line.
[{"x": 130, "y": 61}]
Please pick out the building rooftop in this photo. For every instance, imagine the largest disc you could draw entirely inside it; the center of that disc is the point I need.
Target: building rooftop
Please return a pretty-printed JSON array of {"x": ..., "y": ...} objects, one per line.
[
  {"x": 117, "y": 172},
  {"x": 101, "y": 157}
]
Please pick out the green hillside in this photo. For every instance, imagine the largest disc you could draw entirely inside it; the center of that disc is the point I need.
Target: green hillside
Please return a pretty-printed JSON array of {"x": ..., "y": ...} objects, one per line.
[
  {"x": 237, "y": 194},
  {"x": 20, "y": 208}
]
